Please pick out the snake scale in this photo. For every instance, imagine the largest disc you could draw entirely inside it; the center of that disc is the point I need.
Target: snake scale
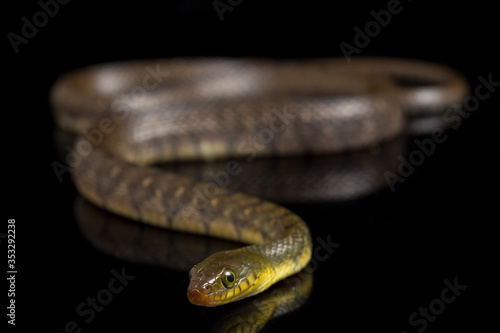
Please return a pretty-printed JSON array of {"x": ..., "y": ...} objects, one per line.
[{"x": 133, "y": 115}]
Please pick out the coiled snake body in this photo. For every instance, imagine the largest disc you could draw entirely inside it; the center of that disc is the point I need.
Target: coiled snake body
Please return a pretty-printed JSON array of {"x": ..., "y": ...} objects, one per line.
[{"x": 138, "y": 113}]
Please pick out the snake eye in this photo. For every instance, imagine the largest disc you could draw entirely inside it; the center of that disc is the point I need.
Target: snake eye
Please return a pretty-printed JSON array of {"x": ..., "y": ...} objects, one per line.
[{"x": 228, "y": 278}]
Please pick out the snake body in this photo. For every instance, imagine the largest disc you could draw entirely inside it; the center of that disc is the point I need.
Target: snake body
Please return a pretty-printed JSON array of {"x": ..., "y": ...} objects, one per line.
[{"x": 135, "y": 114}]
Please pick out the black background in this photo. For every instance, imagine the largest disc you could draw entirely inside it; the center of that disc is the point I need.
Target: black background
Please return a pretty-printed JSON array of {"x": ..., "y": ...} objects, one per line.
[{"x": 397, "y": 248}]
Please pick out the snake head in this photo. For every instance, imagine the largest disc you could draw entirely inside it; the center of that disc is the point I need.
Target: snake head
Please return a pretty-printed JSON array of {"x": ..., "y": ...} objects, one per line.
[{"x": 222, "y": 278}]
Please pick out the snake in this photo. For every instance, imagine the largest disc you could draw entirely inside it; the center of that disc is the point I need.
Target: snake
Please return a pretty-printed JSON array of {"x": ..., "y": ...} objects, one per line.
[
  {"x": 131, "y": 116},
  {"x": 142, "y": 244}
]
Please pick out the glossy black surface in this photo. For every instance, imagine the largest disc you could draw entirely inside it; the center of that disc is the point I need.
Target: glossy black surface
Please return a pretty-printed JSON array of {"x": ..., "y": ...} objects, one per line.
[{"x": 396, "y": 247}]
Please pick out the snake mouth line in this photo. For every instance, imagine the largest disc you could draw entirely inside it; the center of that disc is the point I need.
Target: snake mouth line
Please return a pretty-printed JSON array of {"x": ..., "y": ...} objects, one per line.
[{"x": 196, "y": 297}]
